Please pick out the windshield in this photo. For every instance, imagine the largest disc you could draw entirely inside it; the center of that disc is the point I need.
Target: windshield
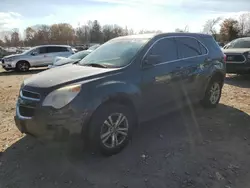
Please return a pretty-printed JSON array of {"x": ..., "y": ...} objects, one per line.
[
  {"x": 94, "y": 47},
  {"x": 29, "y": 50},
  {"x": 115, "y": 53},
  {"x": 79, "y": 55},
  {"x": 239, "y": 43}
]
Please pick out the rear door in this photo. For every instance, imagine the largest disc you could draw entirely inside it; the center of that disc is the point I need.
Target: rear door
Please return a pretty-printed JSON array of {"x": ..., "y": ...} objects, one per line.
[
  {"x": 192, "y": 56},
  {"x": 54, "y": 51}
]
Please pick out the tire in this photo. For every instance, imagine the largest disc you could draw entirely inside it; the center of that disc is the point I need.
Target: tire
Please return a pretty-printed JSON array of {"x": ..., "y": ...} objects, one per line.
[
  {"x": 98, "y": 127},
  {"x": 213, "y": 93},
  {"x": 22, "y": 66}
]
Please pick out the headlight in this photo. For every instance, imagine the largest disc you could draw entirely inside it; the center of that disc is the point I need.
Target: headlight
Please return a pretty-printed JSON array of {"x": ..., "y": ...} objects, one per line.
[
  {"x": 62, "y": 96},
  {"x": 9, "y": 59},
  {"x": 248, "y": 55}
]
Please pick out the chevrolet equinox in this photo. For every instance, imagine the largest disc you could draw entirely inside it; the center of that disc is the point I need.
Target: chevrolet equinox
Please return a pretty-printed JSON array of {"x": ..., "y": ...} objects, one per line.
[{"x": 125, "y": 81}]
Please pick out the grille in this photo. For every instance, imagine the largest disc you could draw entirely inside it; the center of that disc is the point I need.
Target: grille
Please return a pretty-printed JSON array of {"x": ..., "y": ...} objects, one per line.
[
  {"x": 235, "y": 58},
  {"x": 26, "y": 111},
  {"x": 30, "y": 94}
]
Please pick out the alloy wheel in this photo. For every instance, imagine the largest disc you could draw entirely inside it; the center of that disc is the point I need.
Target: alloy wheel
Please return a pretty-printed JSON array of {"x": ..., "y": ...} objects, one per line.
[
  {"x": 114, "y": 130},
  {"x": 214, "y": 93}
]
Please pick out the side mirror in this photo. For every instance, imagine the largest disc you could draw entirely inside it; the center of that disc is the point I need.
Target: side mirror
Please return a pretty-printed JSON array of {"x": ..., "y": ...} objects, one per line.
[
  {"x": 151, "y": 60},
  {"x": 34, "y": 53}
]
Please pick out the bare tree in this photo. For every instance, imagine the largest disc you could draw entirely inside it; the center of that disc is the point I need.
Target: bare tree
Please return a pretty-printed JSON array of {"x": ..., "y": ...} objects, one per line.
[
  {"x": 244, "y": 24},
  {"x": 185, "y": 30},
  {"x": 209, "y": 27}
]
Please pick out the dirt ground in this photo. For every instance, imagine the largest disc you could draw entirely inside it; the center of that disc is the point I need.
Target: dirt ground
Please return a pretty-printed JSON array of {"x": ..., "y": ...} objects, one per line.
[{"x": 194, "y": 147}]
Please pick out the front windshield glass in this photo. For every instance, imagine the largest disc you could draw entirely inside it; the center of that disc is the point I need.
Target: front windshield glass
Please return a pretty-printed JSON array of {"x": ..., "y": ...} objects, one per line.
[
  {"x": 30, "y": 50},
  {"x": 78, "y": 55},
  {"x": 115, "y": 53},
  {"x": 239, "y": 43}
]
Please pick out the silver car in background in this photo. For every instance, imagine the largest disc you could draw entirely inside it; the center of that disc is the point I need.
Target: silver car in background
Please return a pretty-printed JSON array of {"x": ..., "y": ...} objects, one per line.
[{"x": 39, "y": 56}]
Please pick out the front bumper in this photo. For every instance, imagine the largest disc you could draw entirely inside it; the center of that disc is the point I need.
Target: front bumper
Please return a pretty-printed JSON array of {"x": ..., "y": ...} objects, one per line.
[
  {"x": 8, "y": 65},
  {"x": 48, "y": 123},
  {"x": 238, "y": 67}
]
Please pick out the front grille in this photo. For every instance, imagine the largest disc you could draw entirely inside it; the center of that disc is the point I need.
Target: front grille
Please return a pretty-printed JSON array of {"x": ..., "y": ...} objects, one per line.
[
  {"x": 235, "y": 58},
  {"x": 26, "y": 111},
  {"x": 30, "y": 94}
]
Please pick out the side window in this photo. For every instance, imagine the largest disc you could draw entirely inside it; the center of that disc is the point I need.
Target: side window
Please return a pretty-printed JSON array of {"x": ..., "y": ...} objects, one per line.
[
  {"x": 202, "y": 49},
  {"x": 188, "y": 47},
  {"x": 42, "y": 50},
  {"x": 166, "y": 50},
  {"x": 63, "y": 49},
  {"x": 54, "y": 49}
]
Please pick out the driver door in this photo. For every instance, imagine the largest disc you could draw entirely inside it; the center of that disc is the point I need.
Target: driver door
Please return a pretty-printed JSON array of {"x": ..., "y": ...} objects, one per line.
[
  {"x": 159, "y": 79},
  {"x": 38, "y": 56}
]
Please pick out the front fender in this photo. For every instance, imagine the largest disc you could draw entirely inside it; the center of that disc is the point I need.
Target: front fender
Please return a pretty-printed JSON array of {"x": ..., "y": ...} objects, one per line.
[{"x": 114, "y": 89}]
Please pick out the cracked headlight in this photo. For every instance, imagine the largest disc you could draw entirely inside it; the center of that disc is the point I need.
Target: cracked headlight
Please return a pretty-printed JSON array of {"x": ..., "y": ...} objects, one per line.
[{"x": 62, "y": 96}]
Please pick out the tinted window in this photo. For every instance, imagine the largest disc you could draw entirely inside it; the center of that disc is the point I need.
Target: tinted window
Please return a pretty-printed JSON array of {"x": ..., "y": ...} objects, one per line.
[
  {"x": 166, "y": 50},
  {"x": 56, "y": 49},
  {"x": 42, "y": 50},
  {"x": 187, "y": 47},
  {"x": 202, "y": 49},
  {"x": 212, "y": 45}
]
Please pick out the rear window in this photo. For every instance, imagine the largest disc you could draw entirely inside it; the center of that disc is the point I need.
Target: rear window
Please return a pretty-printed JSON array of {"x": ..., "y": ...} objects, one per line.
[
  {"x": 188, "y": 47},
  {"x": 212, "y": 45}
]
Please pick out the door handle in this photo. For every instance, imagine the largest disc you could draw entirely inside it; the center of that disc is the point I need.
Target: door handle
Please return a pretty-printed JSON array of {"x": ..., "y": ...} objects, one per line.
[{"x": 178, "y": 67}]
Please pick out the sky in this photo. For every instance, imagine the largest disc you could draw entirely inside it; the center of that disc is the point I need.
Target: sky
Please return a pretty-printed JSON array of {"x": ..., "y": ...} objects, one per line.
[{"x": 164, "y": 15}]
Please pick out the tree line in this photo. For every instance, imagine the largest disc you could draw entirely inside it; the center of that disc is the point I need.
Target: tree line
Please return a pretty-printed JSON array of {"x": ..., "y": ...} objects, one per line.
[
  {"x": 94, "y": 32},
  {"x": 230, "y": 28},
  {"x": 64, "y": 33}
]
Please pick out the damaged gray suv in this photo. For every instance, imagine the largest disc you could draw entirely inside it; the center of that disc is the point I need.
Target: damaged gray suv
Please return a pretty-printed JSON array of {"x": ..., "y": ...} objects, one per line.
[{"x": 126, "y": 81}]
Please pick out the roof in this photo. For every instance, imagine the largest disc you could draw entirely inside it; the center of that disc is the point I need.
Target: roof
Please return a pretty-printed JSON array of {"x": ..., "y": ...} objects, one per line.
[
  {"x": 152, "y": 35},
  {"x": 51, "y": 45}
]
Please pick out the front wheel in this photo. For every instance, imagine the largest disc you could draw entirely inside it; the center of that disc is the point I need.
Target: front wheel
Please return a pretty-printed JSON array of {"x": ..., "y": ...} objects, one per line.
[
  {"x": 110, "y": 129},
  {"x": 213, "y": 94},
  {"x": 22, "y": 66}
]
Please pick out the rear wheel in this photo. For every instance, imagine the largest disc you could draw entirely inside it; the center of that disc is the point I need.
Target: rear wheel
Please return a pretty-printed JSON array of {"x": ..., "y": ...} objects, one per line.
[
  {"x": 213, "y": 94},
  {"x": 22, "y": 66},
  {"x": 110, "y": 129}
]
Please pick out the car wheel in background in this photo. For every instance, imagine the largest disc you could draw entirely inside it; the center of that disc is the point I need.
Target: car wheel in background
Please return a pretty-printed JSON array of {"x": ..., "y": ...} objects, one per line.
[
  {"x": 22, "y": 66},
  {"x": 213, "y": 93},
  {"x": 110, "y": 128}
]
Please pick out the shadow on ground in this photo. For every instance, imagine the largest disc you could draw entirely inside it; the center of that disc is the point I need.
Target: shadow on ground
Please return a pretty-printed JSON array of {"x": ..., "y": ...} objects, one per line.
[
  {"x": 13, "y": 73},
  {"x": 190, "y": 148},
  {"x": 238, "y": 80}
]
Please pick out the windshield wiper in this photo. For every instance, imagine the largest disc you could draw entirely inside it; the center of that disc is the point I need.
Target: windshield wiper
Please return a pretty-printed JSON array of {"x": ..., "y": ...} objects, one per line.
[{"x": 95, "y": 65}]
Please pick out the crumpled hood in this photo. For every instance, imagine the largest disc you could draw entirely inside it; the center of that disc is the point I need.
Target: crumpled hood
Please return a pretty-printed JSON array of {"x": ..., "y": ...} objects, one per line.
[
  {"x": 236, "y": 50},
  {"x": 65, "y": 74}
]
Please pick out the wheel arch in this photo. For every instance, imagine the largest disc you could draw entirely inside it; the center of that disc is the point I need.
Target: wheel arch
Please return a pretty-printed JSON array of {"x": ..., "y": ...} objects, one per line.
[{"x": 22, "y": 61}]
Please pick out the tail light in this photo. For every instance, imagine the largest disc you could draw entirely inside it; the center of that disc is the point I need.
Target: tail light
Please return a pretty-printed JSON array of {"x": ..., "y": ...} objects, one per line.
[{"x": 225, "y": 57}]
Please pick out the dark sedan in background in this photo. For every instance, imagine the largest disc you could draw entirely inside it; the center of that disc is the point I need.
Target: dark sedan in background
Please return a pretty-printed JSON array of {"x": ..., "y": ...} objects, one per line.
[{"x": 238, "y": 56}]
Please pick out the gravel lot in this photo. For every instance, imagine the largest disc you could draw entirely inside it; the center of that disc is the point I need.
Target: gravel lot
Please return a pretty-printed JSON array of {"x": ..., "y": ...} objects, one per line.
[{"x": 190, "y": 148}]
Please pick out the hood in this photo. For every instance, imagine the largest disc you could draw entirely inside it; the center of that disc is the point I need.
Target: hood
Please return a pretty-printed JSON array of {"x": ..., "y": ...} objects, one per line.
[
  {"x": 65, "y": 74},
  {"x": 64, "y": 61},
  {"x": 236, "y": 50},
  {"x": 13, "y": 55}
]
